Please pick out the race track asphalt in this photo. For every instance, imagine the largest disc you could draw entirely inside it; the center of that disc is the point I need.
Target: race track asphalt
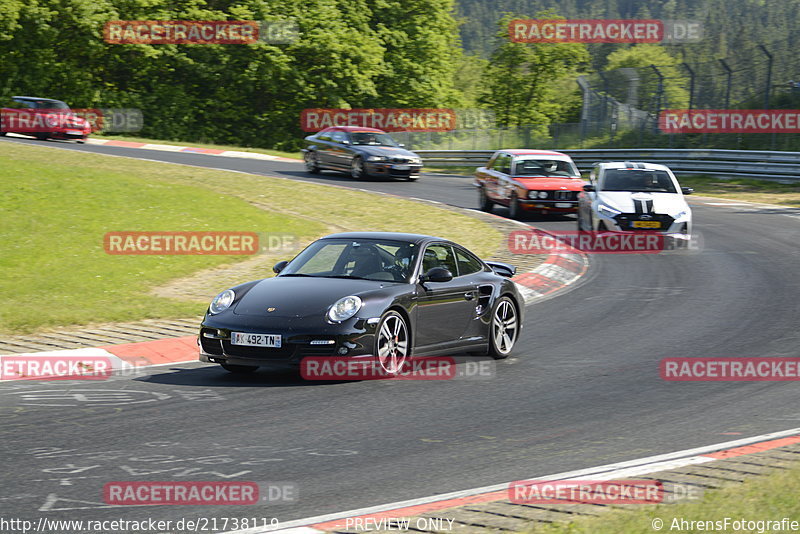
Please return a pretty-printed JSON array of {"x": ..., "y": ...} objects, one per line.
[{"x": 582, "y": 390}]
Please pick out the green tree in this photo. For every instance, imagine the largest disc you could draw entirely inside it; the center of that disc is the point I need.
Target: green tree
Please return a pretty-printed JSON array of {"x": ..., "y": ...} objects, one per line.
[
  {"x": 523, "y": 79},
  {"x": 641, "y": 57}
]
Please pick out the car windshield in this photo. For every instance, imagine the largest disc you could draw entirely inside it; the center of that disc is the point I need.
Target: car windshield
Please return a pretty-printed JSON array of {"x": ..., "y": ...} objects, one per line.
[
  {"x": 46, "y": 104},
  {"x": 637, "y": 180},
  {"x": 367, "y": 259},
  {"x": 545, "y": 167},
  {"x": 372, "y": 138}
]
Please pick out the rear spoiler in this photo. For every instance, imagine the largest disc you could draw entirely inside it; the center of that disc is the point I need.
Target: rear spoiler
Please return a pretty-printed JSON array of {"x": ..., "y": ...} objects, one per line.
[{"x": 503, "y": 269}]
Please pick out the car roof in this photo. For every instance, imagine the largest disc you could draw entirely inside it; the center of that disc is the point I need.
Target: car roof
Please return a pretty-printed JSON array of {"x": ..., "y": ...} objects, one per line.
[
  {"x": 389, "y": 236},
  {"x": 641, "y": 165},
  {"x": 527, "y": 152},
  {"x": 37, "y": 98},
  {"x": 351, "y": 129}
]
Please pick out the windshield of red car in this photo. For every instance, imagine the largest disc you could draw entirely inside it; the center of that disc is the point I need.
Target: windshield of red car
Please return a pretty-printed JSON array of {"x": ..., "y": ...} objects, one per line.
[{"x": 545, "y": 167}]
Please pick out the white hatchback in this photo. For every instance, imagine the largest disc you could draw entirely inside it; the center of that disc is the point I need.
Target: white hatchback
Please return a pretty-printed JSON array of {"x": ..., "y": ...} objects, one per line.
[{"x": 633, "y": 197}]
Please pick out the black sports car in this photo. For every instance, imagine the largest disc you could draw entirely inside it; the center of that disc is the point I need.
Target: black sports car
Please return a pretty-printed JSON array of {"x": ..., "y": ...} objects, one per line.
[
  {"x": 360, "y": 151},
  {"x": 373, "y": 295}
]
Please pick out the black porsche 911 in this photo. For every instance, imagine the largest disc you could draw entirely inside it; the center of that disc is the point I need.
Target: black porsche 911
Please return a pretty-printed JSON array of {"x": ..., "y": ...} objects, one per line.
[
  {"x": 374, "y": 295},
  {"x": 362, "y": 152}
]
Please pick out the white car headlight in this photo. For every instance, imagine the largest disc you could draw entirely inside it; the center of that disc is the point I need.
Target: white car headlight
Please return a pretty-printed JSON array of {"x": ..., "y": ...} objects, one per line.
[
  {"x": 607, "y": 211},
  {"x": 344, "y": 308},
  {"x": 533, "y": 194},
  {"x": 542, "y": 194},
  {"x": 376, "y": 158},
  {"x": 222, "y": 301}
]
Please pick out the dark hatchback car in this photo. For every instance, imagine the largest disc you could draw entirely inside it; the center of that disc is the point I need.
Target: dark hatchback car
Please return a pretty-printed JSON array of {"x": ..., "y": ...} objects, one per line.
[
  {"x": 367, "y": 295},
  {"x": 362, "y": 152},
  {"x": 43, "y": 118}
]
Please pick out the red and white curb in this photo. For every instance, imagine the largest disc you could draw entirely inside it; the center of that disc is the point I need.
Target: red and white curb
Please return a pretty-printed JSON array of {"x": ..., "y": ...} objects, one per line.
[
  {"x": 497, "y": 492},
  {"x": 124, "y": 358},
  {"x": 188, "y": 149}
]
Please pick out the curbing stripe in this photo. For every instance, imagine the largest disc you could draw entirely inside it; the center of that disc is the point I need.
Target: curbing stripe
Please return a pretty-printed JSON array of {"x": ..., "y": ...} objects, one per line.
[{"x": 621, "y": 470}]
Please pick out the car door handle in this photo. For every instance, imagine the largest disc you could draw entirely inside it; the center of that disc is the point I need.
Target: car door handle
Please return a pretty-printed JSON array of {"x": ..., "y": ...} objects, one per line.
[{"x": 469, "y": 296}]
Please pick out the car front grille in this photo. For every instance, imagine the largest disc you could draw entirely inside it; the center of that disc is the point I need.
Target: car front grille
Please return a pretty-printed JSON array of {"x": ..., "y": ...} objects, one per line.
[
  {"x": 625, "y": 221},
  {"x": 565, "y": 195}
]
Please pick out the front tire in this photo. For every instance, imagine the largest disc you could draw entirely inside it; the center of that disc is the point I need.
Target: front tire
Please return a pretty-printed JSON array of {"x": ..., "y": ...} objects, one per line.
[
  {"x": 484, "y": 202},
  {"x": 392, "y": 342},
  {"x": 357, "y": 168},
  {"x": 239, "y": 369},
  {"x": 514, "y": 209},
  {"x": 504, "y": 329},
  {"x": 312, "y": 165}
]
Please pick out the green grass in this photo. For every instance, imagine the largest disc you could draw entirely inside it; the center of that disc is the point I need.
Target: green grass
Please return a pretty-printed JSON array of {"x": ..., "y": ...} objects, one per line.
[
  {"x": 57, "y": 206},
  {"x": 745, "y": 189},
  {"x": 55, "y": 217},
  {"x": 771, "y": 497},
  {"x": 279, "y": 153}
]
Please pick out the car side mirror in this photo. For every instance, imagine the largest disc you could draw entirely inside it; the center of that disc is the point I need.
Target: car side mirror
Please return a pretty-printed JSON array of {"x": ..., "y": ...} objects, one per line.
[
  {"x": 436, "y": 274},
  {"x": 687, "y": 190},
  {"x": 589, "y": 187},
  {"x": 281, "y": 265}
]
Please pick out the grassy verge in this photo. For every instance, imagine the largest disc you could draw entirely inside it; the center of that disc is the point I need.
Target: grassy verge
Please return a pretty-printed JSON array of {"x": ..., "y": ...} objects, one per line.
[
  {"x": 771, "y": 497},
  {"x": 279, "y": 153},
  {"x": 745, "y": 189},
  {"x": 59, "y": 204}
]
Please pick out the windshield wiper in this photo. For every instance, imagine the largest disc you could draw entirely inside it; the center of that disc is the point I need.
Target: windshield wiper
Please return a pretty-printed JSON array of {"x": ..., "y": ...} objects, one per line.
[
  {"x": 347, "y": 276},
  {"x": 297, "y": 274}
]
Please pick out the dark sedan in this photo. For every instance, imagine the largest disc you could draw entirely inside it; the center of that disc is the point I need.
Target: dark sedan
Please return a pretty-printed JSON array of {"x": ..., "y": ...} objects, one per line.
[
  {"x": 377, "y": 296},
  {"x": 362, "y": 152}
]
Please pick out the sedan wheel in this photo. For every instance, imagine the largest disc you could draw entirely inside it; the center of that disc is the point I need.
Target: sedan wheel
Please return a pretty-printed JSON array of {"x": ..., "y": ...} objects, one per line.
[
  {"x": 505, "y": 329},
  {"x": 483, "y": 200},
  {"x": 239, "y": 369},
  {"x": 312, "y": 165},
  {"x": 392, "y": 342},
  {"x": 357, "y": 169}
]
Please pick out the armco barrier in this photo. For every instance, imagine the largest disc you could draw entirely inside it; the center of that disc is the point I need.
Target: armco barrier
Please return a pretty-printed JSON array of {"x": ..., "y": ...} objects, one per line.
[{"x": 764, "y": 165}]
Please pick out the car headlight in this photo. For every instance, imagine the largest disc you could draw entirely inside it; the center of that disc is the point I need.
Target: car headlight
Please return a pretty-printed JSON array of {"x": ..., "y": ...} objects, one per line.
[
  {"x": 222, "y": 301},
  {"x": 377, "y": 158},
  {"x": 415, "y": 161},
  {"x": 607, "y": 211},
  {"x": 344, "y": 308},
  {"x": 542, "y": 194},
  {"x": 533, "y": 194}
]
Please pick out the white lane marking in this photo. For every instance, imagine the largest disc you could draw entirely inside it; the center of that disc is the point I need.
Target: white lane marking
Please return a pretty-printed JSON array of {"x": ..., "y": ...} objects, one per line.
[{"x": 639, "y": 466}]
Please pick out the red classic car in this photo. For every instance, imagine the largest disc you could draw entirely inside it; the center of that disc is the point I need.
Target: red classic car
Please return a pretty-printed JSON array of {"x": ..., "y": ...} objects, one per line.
[
  {"x": 540, "y": 181},
  {"x": 42, "y": 118}
]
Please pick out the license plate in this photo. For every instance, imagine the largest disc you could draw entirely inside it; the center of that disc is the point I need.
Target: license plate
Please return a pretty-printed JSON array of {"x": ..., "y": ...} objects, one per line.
[
  {"x": 256, "y": 340},
  {"x": 646, "y": 224},
  {"x": 563, "y": 205},
  {"x": 402, "y": 167}
]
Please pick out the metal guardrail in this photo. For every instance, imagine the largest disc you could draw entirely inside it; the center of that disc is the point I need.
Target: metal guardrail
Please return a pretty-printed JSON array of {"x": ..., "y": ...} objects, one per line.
[{"x": 764, "y": 165}]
